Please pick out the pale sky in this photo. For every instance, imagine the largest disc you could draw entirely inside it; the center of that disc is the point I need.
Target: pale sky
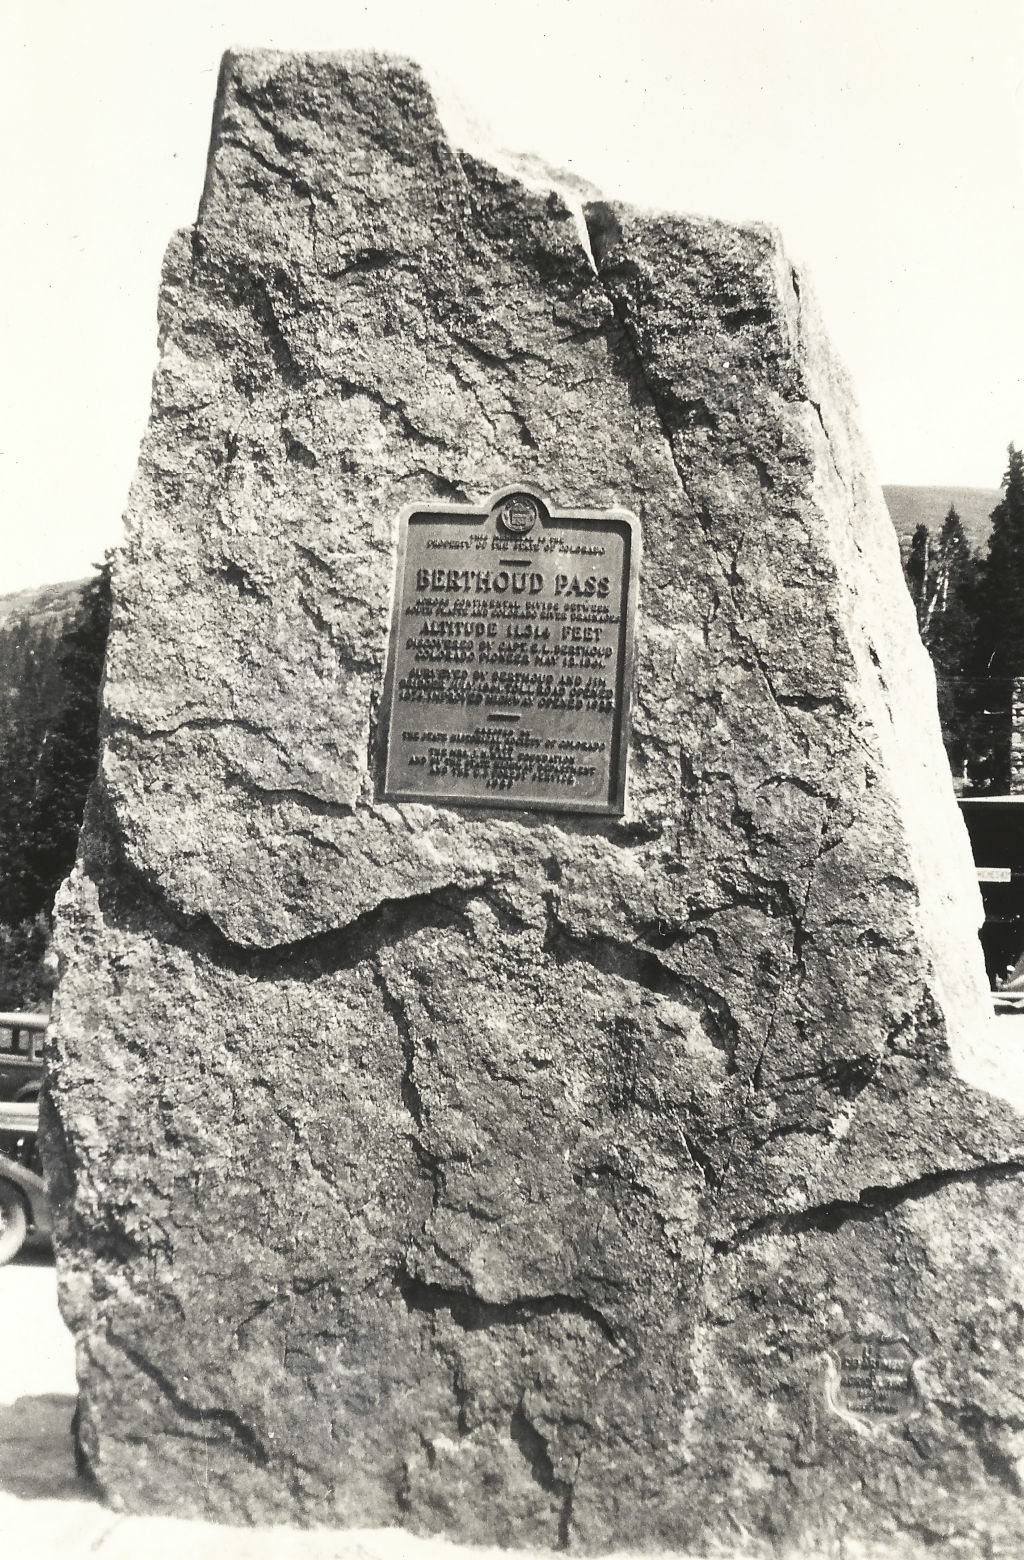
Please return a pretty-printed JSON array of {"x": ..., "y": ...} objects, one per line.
[{"x": 884, "y": 140}]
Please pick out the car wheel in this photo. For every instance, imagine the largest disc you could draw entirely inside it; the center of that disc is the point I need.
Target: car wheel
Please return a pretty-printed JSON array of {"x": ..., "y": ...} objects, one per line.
[{"x": 13, "y": 1222}]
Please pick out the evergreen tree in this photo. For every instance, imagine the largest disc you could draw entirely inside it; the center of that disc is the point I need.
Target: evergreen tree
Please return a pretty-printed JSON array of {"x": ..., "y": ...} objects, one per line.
[
  {"x": 970, "y": 613},
  {"x": 942, "y": 579},
  {"x": 1001, "y": 586},
  {"x": 49, "y": 697},
  {"x": 31, "y": 689},
  {"x": 25, "y": 982},
  {"x": 70, "y": 750},
  {"x": 915, "y": 568},
  {"x": 949, "y": 628},
  {"x": 949, "y": 618},
  {"x": 999, "y": 608}
]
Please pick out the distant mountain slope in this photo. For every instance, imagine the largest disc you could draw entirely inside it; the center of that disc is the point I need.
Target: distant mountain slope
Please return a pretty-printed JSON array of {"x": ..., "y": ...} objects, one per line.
[
  {"x": 49, "y": 604},
  {"x": 910, "y": 507}
]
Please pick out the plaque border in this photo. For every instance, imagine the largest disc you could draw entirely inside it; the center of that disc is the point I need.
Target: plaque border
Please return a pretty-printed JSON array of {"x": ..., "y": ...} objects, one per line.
[{"x": 618, "y": 774}]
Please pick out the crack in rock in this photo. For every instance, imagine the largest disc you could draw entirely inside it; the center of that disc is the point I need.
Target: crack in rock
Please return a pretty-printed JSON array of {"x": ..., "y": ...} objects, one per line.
[
  {"x": 129, "y": 893},
  {"x": 537, "y": 1456},
  {"x": 472, "y": 1313},
  {"x": 642, "y": 967},
  {"x": 872, "y": 1203},
  {"x": 240, "y": 1432}
]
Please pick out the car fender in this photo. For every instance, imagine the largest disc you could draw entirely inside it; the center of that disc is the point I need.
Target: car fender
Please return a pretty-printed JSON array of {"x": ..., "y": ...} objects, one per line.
[{"x": 33, "y": 1195}]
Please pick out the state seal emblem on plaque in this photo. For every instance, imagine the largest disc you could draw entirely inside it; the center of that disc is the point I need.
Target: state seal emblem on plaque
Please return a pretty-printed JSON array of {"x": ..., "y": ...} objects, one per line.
[{"x": 518, "y": 514}]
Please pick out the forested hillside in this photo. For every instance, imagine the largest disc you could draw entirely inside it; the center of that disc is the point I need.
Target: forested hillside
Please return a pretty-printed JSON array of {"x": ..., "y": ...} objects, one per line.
[
  {"x": 55, "y": 605},
  {"x": 52, "y": 644},
  {"x": 910, "y": 507},
  {"x": 970, "y": 613}
]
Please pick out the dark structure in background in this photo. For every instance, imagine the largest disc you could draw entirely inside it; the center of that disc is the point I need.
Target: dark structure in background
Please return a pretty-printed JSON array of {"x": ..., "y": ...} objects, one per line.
[{"x": 996, "y": 828}]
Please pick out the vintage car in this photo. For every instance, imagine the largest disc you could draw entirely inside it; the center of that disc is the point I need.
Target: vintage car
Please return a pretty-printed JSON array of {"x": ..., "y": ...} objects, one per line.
[
  {"x": 21, "y": 1060},
  {"x": 24, "y": 1209}
]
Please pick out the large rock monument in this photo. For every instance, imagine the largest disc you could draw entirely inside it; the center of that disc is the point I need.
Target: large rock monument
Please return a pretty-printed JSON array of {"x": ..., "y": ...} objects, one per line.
[{"x": 520, "y": 1068}]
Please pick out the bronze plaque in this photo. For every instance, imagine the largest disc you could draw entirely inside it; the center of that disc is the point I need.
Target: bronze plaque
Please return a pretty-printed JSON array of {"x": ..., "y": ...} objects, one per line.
[{"x": 510, "y": 665}]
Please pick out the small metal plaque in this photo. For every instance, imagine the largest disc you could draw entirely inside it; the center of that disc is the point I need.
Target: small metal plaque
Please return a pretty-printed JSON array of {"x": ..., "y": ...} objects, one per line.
[
  {"x": 510, "y": 664},
  {"x": 875, "y": 1374}
]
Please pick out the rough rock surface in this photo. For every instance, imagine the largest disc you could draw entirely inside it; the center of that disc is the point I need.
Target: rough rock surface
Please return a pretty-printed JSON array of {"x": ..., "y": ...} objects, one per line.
[{"x": 527, "y": 1178}]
